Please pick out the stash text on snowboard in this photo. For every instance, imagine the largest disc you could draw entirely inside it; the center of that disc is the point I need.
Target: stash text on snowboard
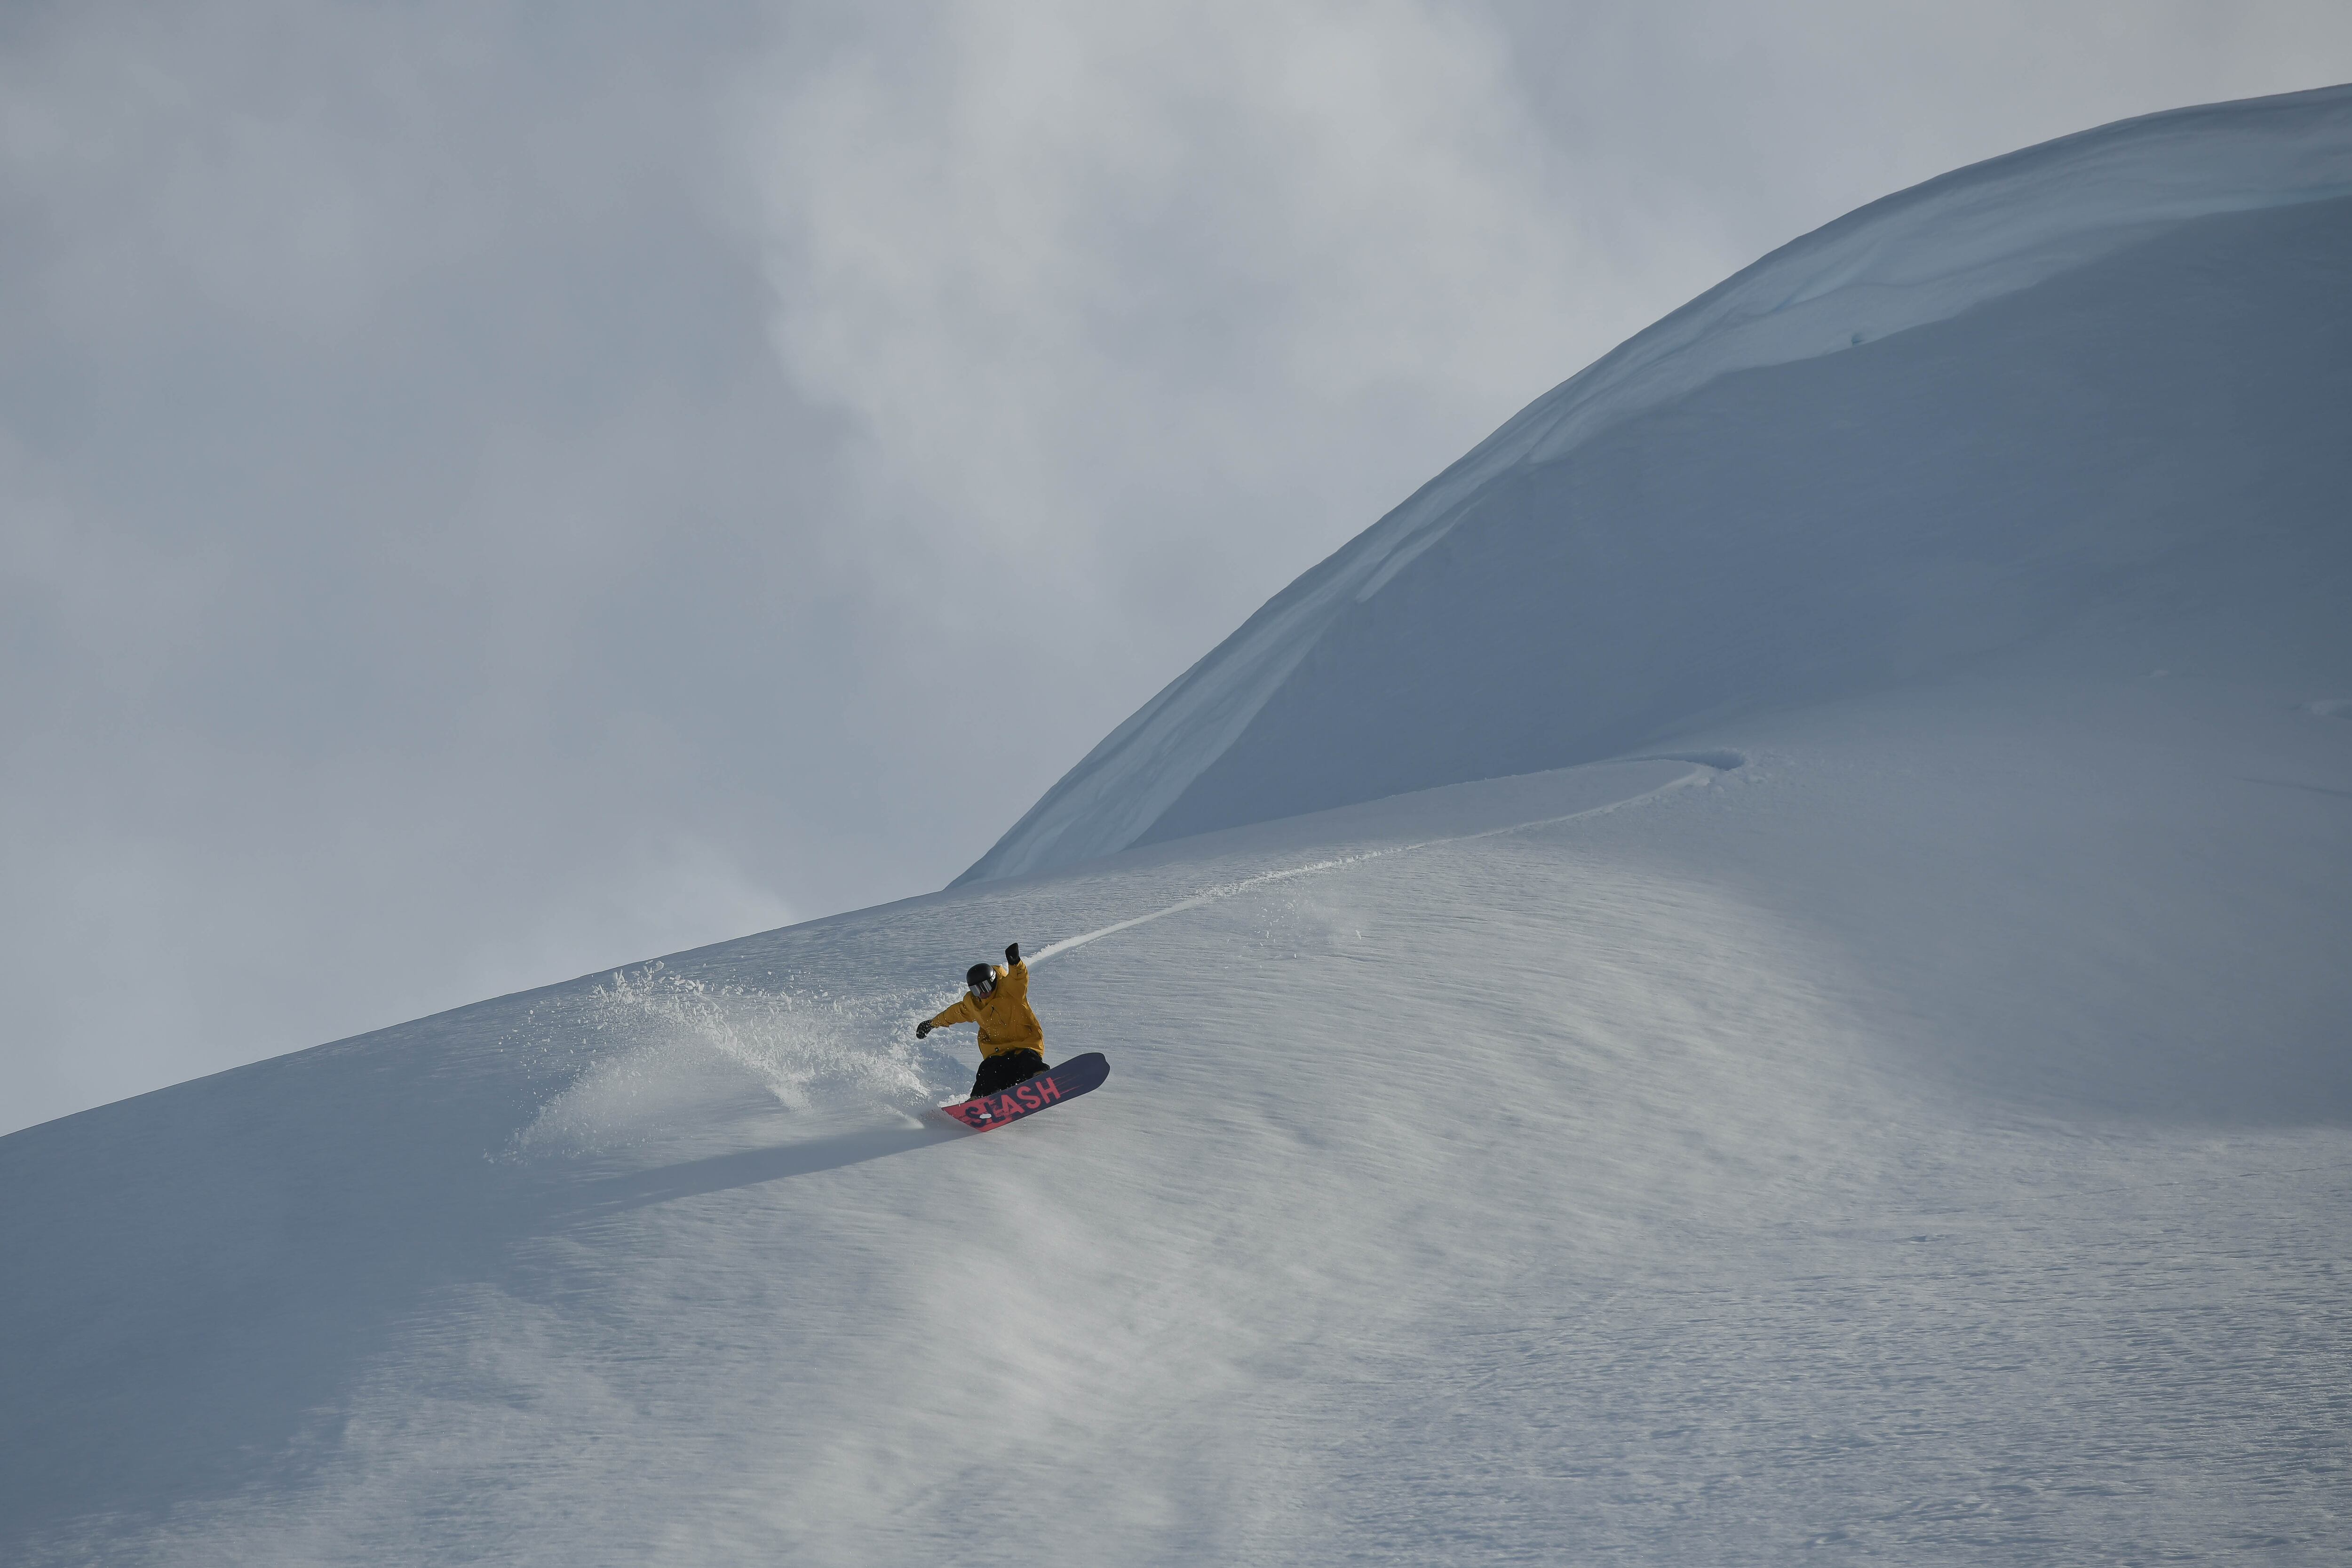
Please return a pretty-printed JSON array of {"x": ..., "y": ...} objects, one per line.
[{"x": 1032, "y": 1095}]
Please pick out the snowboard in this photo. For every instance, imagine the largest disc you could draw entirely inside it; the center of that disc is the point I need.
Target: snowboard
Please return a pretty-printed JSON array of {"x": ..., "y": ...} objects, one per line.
[{"x": 1032, "y": 1095}]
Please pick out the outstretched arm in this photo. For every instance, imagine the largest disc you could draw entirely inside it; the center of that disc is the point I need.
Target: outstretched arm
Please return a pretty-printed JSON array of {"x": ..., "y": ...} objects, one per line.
[{"x": 959, "y": 1011}]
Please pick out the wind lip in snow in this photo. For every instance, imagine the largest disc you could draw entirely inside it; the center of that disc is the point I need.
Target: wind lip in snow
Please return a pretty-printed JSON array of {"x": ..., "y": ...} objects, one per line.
[{"x": 1919, "y": 255}]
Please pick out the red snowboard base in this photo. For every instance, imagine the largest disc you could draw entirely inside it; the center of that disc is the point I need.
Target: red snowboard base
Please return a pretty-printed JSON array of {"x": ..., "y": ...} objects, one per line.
[{"x": 1032, "y": 1095}]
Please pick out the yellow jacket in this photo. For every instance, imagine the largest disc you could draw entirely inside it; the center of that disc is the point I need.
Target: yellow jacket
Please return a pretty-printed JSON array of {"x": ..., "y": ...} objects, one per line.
[{"x": 1005, "y": 1022}]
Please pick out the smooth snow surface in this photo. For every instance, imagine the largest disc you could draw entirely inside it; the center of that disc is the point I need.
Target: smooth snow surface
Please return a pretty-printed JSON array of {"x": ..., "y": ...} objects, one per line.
[
  {"x": 1889, "y": 1101},
  {"x": 2025, "y": 392},
  {"x": 1930, "y": 1139}
]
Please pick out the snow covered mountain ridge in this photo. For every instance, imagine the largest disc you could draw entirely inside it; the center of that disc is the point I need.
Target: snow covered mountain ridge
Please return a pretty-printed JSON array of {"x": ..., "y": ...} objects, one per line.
[
  {"x": 1219, "y": 746},
  {"x": 1898, "y": 1111}
]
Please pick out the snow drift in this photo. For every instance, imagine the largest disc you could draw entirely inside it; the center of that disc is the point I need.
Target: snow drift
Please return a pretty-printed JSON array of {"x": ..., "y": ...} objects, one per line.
[
  {"x": 2055, "y": 389},
  {"x": 1900, "y": 1111}
]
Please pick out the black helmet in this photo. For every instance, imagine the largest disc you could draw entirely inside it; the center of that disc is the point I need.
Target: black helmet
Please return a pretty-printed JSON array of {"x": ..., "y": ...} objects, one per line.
[{"x": 978, "y": 975}]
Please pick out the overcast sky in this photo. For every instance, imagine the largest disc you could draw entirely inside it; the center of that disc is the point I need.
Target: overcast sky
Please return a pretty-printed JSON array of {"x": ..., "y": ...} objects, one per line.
[{"x": 493, "y": 492}]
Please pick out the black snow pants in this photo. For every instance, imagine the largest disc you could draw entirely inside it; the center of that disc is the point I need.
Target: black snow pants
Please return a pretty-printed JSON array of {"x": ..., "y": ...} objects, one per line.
[{"x": 1002, "y": 1070}]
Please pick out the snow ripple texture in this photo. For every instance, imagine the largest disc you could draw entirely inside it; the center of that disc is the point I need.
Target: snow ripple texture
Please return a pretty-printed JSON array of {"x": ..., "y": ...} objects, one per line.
[{"x": 1927, "y": 1139}]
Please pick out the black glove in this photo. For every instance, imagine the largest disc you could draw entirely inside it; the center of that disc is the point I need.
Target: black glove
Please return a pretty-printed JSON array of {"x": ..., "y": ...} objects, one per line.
[
  {"x": 922, "y": 1028},
  {"x": 1012, "y": 952}
]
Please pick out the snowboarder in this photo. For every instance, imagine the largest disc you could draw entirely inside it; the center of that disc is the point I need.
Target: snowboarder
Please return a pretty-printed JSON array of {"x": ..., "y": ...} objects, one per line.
[{"x": 1011, "y": 1043}]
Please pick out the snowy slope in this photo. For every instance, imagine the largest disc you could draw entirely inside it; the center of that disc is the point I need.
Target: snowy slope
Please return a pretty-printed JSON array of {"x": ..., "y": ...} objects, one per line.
[
  {"x": 2029, "y": 392},
  {"x": 1906, "y": 1115},
  {"x": 1926, "y": 1139}
]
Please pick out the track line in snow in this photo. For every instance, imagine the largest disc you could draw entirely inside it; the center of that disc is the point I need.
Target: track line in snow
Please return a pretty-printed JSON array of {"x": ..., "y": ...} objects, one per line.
[{"x": 1701, "y": 771}]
